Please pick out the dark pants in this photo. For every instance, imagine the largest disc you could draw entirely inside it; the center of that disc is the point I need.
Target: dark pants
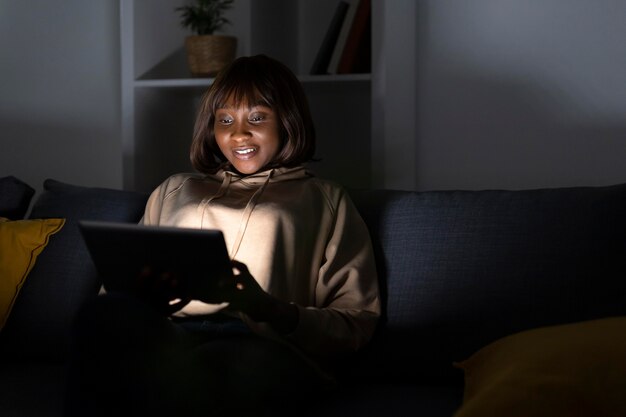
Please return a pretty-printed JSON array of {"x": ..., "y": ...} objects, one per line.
[{"x": 128, "y": 359}]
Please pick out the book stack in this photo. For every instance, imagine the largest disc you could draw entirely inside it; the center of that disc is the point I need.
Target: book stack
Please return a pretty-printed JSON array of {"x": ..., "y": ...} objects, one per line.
[{"x": 346, "y": 47}]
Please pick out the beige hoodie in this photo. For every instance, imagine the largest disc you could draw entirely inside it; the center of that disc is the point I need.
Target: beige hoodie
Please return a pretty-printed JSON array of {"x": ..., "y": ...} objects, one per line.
[{"x": 302, "y": 240}]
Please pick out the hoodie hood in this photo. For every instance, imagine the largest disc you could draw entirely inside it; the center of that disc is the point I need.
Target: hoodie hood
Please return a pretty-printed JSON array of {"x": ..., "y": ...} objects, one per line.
[
  {"x": 261, "y": 177},
  {"x": 259, "y": 180}
]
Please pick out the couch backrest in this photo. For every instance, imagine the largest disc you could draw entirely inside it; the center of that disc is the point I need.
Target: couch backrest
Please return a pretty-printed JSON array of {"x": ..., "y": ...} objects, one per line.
[
  {"x": 63, "y": 276},
  {"x": 460, "y": 269},
  {"x": 15, "y": 196}
]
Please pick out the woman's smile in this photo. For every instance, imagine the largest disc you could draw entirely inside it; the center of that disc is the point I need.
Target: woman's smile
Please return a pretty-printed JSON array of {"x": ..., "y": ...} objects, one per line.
[{"x": 245, "y": 152}]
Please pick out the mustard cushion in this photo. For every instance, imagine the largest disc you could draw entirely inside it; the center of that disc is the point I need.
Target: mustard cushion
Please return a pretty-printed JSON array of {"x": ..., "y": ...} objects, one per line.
[
  {"x": 575, "y": 369},
  {"x": 21, "y": 242}
]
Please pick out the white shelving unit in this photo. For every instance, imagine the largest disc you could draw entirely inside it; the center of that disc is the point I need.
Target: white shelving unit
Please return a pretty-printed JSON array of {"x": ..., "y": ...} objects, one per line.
[{"x": 159, "y": 97}]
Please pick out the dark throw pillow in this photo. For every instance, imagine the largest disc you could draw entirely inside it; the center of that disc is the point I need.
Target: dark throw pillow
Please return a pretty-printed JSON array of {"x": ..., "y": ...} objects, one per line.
[{"x": 15, "y": 196}]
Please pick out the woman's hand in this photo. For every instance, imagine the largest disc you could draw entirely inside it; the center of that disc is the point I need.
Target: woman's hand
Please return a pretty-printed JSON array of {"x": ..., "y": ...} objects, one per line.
[
  {"x": 249, "y": 298},
  {"x": 161, "y": 289}
]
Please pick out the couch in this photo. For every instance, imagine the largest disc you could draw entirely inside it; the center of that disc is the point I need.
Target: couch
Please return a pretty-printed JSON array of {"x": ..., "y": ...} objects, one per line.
[{"x": 495, "y": 302}]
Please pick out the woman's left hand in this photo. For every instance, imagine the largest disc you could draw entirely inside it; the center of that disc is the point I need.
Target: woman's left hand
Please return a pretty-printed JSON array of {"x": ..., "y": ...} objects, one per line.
[{"x": 249, "y": 298}]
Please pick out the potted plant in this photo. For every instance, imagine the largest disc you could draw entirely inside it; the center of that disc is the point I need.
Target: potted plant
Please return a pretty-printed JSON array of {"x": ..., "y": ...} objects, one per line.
[{"x": 207, "y": 53}]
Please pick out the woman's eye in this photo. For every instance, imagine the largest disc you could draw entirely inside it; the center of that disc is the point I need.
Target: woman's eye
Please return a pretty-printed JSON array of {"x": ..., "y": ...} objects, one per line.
[
  {"x": 256, "y": 118},
  {"x": 225, "y": 120}
]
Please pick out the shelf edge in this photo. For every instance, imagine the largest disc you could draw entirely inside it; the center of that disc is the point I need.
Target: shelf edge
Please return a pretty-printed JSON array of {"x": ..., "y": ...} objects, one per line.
[{"x": 205, "y": 82}]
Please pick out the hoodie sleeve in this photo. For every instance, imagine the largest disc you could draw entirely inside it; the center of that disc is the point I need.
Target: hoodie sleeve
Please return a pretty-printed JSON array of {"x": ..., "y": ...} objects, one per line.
[
  {"x": 154, "y": 206},
  {"x": 347, "y": 297}
]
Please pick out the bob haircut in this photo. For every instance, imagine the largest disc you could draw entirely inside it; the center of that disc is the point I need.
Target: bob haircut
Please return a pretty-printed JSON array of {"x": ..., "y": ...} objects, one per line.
[{"x": 252, "y": 81}]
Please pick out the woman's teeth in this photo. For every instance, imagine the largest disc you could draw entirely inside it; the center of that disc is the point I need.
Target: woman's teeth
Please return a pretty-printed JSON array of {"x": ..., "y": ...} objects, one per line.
[{"x": 244, "y": 151}]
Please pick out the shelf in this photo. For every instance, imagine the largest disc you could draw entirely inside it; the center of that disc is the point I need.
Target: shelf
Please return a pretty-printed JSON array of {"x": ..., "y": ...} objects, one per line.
[
  {"x": 174, "y": 83},
  {"x": 334, "y": 78},
  {"x": 205, "y": 82}
]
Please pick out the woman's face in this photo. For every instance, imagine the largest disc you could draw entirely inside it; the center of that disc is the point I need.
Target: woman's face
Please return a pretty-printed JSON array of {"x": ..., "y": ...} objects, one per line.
[{"x": 247, "y": 135}]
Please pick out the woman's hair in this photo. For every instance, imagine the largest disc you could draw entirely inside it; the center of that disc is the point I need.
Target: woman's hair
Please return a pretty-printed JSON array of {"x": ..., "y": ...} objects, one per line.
[{"x": 256, "y": 80}]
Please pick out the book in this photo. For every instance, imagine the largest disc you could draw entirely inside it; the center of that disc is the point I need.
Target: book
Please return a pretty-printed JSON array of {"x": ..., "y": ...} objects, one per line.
[
  {"x": 356, "y": 55},
  {"x": 343, "y": 36},
  {"x": 320, "y": 65}
]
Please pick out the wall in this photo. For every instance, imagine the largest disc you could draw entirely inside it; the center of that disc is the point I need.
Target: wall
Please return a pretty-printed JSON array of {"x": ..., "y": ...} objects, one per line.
[
  {"x": 508, "y": 94},
  {"x": 520, "y": 94},
  {"x": 59, "y": 91}
]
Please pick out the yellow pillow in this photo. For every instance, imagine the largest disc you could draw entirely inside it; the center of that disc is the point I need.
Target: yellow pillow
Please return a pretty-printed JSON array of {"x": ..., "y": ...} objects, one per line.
[
  {"x": 569, "y": 370},
  {"x": 21, "y": 241}
]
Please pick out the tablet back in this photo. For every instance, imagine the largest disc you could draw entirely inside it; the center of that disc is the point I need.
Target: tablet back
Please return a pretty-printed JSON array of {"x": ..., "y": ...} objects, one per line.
[{"x": 121, "y": 251}]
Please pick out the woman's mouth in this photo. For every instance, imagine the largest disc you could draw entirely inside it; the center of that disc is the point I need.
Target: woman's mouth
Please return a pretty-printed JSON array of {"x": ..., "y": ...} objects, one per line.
[{"x": 246, "y": 152}]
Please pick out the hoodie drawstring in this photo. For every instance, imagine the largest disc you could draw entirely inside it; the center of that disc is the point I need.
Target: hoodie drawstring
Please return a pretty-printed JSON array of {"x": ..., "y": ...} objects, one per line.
[
  {"x": 245, "y": 217},
  {"x": 220, "y": 192}
]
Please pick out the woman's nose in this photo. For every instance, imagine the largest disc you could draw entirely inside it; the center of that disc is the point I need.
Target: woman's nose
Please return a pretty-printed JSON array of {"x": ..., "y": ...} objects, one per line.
[{"x": 240, "y": 131}]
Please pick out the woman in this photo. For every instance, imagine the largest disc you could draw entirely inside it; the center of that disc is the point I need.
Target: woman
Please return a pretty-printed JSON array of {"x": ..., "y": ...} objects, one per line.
[{"x": 305, "y": 289}]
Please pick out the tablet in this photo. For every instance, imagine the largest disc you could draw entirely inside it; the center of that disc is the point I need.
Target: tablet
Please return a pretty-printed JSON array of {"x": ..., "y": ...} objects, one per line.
[{"x": 121, "y": 251}]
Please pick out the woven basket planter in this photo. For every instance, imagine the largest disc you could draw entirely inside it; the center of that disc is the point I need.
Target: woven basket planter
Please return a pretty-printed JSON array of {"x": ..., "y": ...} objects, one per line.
[{"x": 208, "y": 54}]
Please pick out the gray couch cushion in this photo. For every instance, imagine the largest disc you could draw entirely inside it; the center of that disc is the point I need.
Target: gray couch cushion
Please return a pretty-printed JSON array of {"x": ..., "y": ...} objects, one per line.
[
  {"x": 461, "y": 269},
  {"x": 64, "y": 275},
  {"x": 15, "y": 196}
]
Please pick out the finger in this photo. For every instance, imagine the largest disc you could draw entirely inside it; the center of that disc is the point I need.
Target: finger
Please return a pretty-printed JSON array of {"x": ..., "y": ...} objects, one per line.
[
  {"x": 239, "y": 267},
  {"x": 240, "y": 279},
  {"x": 176, "y": 304}
]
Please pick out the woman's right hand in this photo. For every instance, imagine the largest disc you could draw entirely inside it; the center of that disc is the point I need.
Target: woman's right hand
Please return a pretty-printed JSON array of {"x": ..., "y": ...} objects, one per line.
[{"x": 161, "y": 289}]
